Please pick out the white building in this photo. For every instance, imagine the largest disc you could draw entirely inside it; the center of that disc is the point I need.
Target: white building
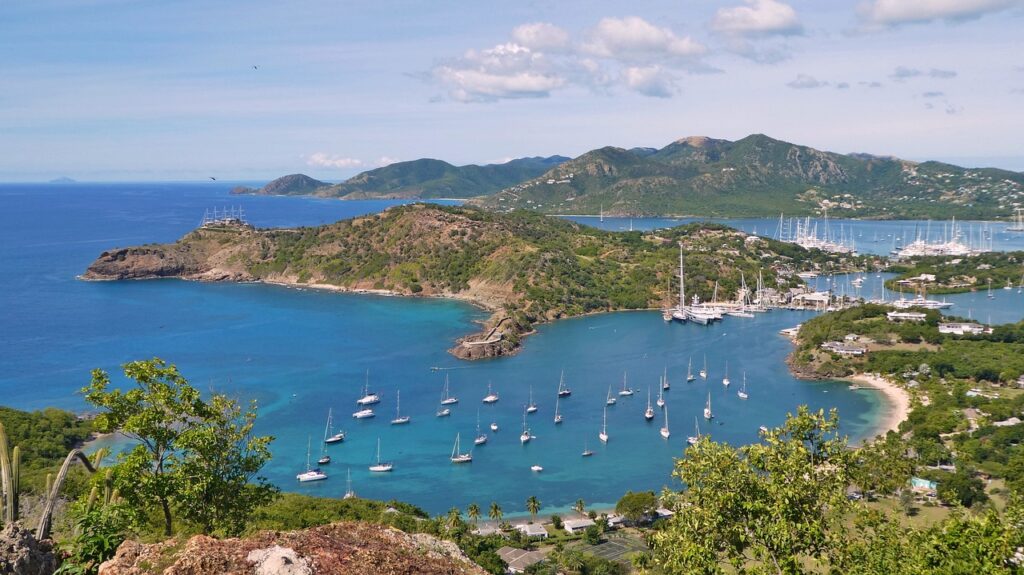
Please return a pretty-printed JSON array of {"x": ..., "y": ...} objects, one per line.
[
  {"x": 577, "y": 525},
  {"x": 533, "y": 530},
  {"x": 905, "y": 316},
  {"x": 962, "y": 328}
]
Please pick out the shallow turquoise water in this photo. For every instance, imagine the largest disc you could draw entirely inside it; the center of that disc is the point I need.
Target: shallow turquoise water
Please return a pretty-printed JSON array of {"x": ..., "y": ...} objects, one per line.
[{"x": 299, "y": 352}]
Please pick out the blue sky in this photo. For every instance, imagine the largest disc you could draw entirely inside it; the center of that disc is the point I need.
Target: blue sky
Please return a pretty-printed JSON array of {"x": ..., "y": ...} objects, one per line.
[{"x": 136, "y": 90}]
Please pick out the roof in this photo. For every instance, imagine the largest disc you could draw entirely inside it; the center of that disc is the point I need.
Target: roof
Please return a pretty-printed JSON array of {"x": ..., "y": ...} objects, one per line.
[
  {"x": 532, "y": 529},
  {"x": 574, "y": 524},
  {"x": 518, "y": 560}
]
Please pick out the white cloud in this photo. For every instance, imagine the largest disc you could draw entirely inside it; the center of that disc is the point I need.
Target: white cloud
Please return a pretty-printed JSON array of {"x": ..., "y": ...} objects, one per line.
[
  {"x": 324, "y": 160},
  {"x": 635, "y": 39},
  {"x": 385, "y": 160},
  {"x": 843, "y": 86},
  {"x": 541, "y": 36},
  {"x": 936, "y": 73},
  {"x": 650, "y": 81},
  {"x": 896, "y": 12},
  {"x": 757, "y": 18},
  {"x": 933, "y": 94},
  {"x": 504, "y": 71},
  {"x": 805, "y": 82},
  {"x": 901, "y": 73}
]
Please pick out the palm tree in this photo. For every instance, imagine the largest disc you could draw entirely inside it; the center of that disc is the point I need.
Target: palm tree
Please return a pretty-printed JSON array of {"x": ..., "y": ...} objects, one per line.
[
  {"x": 580, "y": 507},
  {"x": 454, "y": 519},
  {"x": 533, "y": 506},
  {"x": 571, "y": 560},
  {"x": 495, "y": 511},
  {"x": 473, "y": 511}
]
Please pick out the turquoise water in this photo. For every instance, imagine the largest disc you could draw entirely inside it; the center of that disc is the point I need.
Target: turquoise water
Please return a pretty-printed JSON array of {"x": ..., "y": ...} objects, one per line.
[
  {"x": 299, "y": 352},
  {"x": 868, "y": 236}
]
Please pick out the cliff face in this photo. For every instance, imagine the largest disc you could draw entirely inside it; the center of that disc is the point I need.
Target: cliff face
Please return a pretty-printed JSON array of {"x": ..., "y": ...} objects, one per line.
[{"x": 345, "y": 548}]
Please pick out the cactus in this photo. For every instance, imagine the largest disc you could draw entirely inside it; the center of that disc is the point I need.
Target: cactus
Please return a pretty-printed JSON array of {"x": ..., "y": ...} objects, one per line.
[
  {"x": 46, "y": 520},
  {"x": 49, "y": 482},
  {"x": 8, "y": 496},
  {"x": 15, "y": 481}
]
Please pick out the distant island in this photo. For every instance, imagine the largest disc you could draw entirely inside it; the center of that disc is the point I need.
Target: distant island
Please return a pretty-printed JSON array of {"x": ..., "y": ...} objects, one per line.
[
  {"x": 524, "y": 267},
  {"x": 756, "y": 176},
  {"x": 62, "y": 180}
]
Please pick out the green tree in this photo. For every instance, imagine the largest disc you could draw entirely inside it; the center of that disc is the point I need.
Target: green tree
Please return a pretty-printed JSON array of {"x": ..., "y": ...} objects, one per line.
[
  {"x": 533, "y": 506},
  {"x": 193, "y": 457},
  {"x": 961, "y": 488},
  {"x": 770, "y": 502},
  {"x": 636, "y": 506},
  {"x": 882, "y": 466},
  {"x": 580, "y": 507},
  {"x": 473, "y": 511},
  {"x": 495, "y": 511},
  {"x": 592, "y": 535}
]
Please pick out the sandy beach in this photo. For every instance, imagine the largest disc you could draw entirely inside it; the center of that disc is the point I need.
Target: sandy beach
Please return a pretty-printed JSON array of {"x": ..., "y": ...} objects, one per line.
[{"x": 897, "y": 400}]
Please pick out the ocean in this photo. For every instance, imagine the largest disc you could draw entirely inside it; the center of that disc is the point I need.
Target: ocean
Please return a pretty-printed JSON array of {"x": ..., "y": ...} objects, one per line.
[{"x": 299, "y": 352}]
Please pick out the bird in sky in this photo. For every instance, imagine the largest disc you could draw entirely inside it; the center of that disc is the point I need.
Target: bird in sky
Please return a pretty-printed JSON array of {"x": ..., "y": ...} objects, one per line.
[{"x": 213, "y": 178}]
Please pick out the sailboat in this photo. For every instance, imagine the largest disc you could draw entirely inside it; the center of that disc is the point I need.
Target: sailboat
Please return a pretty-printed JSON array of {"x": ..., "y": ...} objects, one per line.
[
  {"x": 661, "y": 399},
  {"x": 664, "y": 430},
  {"x": 1009, "y": 284},
  {"x": 481, "y": 438},
  {"x": 399, "y": 418},
  {"x": 693, "y": 439},
  {"x": 460, "y": 457},
  {"x": 368, "y": 397},
  {"x": 349, "y": 494},
  {"x": 742, "y": 393},
  {"x": 586, "y": 450},
  {"x": 665, "y": 385},
  {"x": 611, "y": 399},
  {"x": 603, "y": 436},
  {"x": 494, "y": 426},
  {"x": 332, "y": 437},
  {"x": 689, "y": 371},
  {"x": 704, "y": 371},
  {"x": 364, "y": 413},
  {"x": 525, "y": 437},
  {"x": 445, "y": 398},
  {"x": 491, "y": 397},
  {"x": 625, "y": 391},
  {"x": 1020, "y": 286},
  {"x": 649, "y": 412},
  {"x": 558, "y": 414},
  {"x": 707, "y": 408},
  {"x": 563, "y": 391},
  {"x": 381, "y": 466},
  {"x": 311, "y": 473},
  {"x": 531, "y": 407},
  {"x": 990, "y": 294},
  {"x": 725, "y": 380},
  {"x": 444, "y": 412},
  {"x": 325, "y": 459}
]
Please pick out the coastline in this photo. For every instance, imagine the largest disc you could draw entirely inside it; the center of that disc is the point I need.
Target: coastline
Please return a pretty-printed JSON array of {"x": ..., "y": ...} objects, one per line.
[{"x": 896, "y": 398}]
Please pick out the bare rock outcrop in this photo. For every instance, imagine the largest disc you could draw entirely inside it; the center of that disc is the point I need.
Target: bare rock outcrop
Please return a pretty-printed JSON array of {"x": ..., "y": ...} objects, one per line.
[
  {"x": 345, "y": 548},
  {"x": 22, "y": 554}
]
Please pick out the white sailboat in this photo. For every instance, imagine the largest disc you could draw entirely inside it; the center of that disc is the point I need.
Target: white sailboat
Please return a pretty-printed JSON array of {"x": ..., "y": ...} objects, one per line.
[
  {"x": 661, "y": 399},
  {"x": 725, "y": 380},
  {"x": 707, "y": 408},
  {"x": 586, "y": 450},
  {"x": 491, "y": 397},
  {"x": 704, "y": 371},
  {"x": 481, "y": 438},
  {"x": 332, "y": 437},
  {"x": 611, "y": 399},
  {"x": 325, "y": 459},
  {"x": 603, "y": 436},
  {"x": 349, "y": 493},
  {"x": 364, "y": 413},
  {"x": 399, "y": 418},
  {"x": 990, "y": 294},
  {"x": 665, "y": 385},
  {"x": 536, "y": 468},
  {"x": 444, "y": 412},
  {"x": 558, "y": 414},
  {"x": 460, "y": 457},
  {"x": 649, "y": 412},
  {"x": 664, "y": 430},
  {"x": 742, "y": 393},
  {"x": 693, "y": 439},
  {"x": 311, "y": 473},
  {"x": 494, "y": 426},
  {"x": 368, "y": 397},
  {"x": 381, "y": 466},
  {"x": 445, "y": 398},
  {"x": 689, "y": 371},
  {"x": 525, "y": 437},
  {"x": 625, "y": 391},
  {"x": 563, "y": 391},
  {"x": 531, "y": 407}
]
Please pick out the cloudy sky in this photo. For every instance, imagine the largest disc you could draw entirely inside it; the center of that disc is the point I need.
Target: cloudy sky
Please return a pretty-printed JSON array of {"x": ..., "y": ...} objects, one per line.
[{"x": 142, "y": 90}]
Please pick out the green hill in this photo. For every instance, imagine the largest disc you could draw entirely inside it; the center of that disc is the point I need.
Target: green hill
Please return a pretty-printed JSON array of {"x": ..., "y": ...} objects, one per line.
[
  {"x": 526, "y": 267},
  {"x": 423, "y": 178},
  {"x": 761, "y": 176}
]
